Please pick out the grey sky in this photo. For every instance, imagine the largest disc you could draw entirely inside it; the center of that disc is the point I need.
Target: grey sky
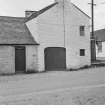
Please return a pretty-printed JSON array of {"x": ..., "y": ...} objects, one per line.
[{"x": 17, "y": 8}]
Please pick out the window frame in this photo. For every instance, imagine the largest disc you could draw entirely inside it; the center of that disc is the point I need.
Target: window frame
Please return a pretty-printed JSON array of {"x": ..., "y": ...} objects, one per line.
[
  {"x": 82, "y": 30},
  {"x": 82, "y": 52}
]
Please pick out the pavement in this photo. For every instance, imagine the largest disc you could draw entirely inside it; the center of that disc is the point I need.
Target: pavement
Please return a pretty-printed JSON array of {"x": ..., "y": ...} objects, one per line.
[{"x": 20, "y": 87}]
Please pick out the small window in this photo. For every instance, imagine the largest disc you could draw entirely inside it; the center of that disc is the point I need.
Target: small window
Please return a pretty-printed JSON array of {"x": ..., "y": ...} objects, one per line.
[
  {"x": 82, "y": 30},
  {"x": 82, "y": 52}
]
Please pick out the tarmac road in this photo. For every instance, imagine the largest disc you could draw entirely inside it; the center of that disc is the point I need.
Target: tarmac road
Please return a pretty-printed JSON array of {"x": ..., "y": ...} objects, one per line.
[{"x": 21, "y": 86}]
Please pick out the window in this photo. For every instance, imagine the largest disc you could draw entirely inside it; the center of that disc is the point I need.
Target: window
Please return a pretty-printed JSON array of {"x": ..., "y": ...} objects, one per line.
[
  {"x": 82, "y": 52},
  {"x": 82, "y": 30}
]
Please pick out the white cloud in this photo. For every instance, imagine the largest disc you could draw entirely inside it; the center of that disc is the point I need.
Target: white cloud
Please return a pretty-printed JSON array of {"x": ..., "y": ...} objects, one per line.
[{"x": 17, "y": 8}]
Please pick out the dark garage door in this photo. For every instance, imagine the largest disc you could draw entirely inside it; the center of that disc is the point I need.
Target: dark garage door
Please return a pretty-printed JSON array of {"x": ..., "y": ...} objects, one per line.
[
  {"x": 55, "y": 58},
  {"x": 20, "y": 61}
]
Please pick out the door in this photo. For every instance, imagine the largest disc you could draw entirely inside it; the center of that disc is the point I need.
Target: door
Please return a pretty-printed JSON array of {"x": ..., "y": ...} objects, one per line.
[
  {"x": 55, "y": 58},
  {"x": 20, "y": 59}
]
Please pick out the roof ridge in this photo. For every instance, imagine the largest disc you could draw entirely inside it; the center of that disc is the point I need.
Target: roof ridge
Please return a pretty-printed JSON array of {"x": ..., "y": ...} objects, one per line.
[{"x": 41, "y": 11}]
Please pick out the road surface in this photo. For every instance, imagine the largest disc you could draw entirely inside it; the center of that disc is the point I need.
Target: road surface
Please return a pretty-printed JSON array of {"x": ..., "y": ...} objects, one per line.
[{"x": 23, "y": 86}]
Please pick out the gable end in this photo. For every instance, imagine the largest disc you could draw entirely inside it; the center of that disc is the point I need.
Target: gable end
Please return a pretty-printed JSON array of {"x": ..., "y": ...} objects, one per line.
[
  {"x": 81, "y": 10},
  {"x": 34, "y": 15}
]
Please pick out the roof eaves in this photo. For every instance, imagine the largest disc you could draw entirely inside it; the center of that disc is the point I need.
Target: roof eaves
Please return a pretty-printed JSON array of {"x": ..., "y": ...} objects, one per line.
[
  {"x": 34, "y": 15},
  {"x": 81, "y": 10},
  {"x": 100, "y": 35},
  {"x": 14, "y": 44},
  {"x": 12, "y": 19}
]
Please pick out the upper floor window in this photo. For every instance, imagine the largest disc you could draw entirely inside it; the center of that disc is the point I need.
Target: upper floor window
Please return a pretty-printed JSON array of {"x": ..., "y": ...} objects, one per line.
[{"x": 82, "y": 30}]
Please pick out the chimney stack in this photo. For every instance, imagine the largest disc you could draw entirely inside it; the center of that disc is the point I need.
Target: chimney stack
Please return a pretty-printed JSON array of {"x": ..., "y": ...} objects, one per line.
[
  {"x": 62, "y": 2},
  {"x": 28, "y": 13}
]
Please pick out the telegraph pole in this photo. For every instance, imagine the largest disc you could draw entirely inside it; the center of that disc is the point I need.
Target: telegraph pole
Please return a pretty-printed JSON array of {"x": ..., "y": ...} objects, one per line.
[
  {"x": 93, "y": 42},
  {"x": 92, "y": 14}
]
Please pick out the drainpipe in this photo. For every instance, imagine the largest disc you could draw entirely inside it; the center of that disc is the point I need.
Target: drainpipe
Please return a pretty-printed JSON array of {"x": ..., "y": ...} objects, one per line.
[{"x": 64, "y": 27}]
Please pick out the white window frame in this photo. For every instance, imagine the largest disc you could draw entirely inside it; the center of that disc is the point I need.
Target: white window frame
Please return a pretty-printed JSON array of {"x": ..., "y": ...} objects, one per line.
[
  {"x": 82, "y": 52},
  {"x": 82, "y": 30}
]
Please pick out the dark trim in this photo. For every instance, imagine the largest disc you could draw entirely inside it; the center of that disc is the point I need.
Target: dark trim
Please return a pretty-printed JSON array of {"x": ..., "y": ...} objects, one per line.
[
  {"x": 55, "y": 47},
  {"x": 24, "y": 59},
  {"x": 56, "y": 63}
]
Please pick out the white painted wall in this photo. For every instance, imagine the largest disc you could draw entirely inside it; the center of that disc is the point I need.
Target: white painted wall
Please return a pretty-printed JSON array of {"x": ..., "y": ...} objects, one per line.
[
  {"x": 7, "y": 60},
  {"x": 33, "y": 27},
  {"x": 74, "y": 42},
  {"x": 48, "y": 30},
  {"x": 31, "y": 58}
]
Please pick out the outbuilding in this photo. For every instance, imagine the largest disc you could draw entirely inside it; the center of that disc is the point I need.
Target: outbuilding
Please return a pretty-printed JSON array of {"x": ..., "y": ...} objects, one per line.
[
  {"x": 54, "y": 38},
  {"x": 18, "y": 49},
  {"x": 100, "y": 44},
  {"x": 63, "y": 32}
]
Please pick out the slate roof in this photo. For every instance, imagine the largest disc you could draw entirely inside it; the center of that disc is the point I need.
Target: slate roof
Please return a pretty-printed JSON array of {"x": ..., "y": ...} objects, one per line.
[
  {"x": 37, "y": 13},
  {"x": 13, "y": 30},
  {"x": 100, "y": 35}
]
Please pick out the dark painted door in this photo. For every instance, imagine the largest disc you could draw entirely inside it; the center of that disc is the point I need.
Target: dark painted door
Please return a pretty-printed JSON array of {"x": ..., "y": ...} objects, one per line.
[
  {"x": 55, "y": 58},
  {"x": 20, "y": 59}
]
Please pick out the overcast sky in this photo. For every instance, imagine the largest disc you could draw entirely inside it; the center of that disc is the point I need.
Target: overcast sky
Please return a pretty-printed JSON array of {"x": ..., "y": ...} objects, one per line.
[{"x": 17, "y": 8}]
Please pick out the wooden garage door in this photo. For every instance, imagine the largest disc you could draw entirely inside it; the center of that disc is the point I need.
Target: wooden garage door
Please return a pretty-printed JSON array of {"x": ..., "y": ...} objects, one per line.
[
  {"x": 20, "y": 59},
  {"x": 55, "y": 58}
]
